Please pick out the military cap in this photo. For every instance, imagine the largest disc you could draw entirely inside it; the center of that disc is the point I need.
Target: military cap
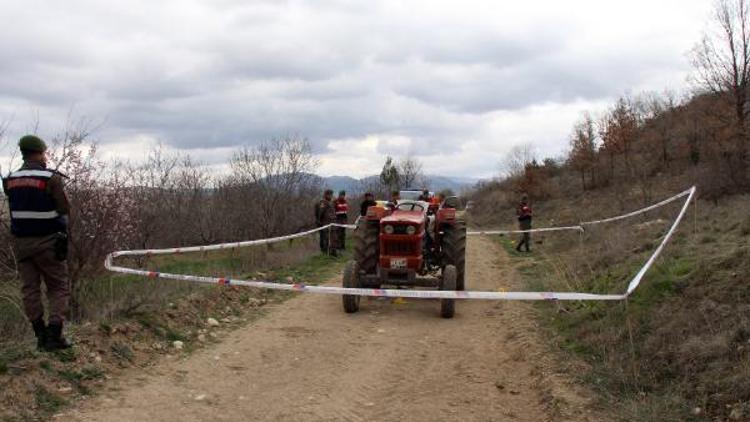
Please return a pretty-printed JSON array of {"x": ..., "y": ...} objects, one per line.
[{"x": 32, "y": 143}]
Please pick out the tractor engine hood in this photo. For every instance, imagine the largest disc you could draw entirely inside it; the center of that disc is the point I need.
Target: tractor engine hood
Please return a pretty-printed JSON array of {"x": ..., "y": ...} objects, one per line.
[{"x": 402, "y": 217}]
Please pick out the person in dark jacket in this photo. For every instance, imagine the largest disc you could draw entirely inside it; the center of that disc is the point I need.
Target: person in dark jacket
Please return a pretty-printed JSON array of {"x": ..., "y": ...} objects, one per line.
[
  {"x": 38, "y": 222},
  {"x": 367, "y": 203},
  {"x": 341, "y": 208},
  {"x": 325, "y": 215},
  {"x": 524, "y": 223}
]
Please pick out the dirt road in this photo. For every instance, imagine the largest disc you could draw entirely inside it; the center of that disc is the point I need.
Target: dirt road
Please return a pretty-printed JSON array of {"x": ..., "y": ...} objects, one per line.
[{"x": 309, "y": 361}]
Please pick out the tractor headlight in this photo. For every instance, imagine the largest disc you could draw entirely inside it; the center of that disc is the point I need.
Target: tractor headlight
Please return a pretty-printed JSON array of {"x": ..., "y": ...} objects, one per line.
[
  {"x": 388, "y": 229},
  {"x": 410, "y": 230}
]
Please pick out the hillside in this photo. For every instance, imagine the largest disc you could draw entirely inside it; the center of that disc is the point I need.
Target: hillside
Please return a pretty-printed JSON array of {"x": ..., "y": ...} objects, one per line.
[{"x": 678, "y": 348}]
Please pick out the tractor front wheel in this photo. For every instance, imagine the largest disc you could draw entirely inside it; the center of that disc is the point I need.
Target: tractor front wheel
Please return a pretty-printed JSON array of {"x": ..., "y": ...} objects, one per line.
[
  {"x": 454, "y": 250},
  {"x": 366, "y": 245},
  {"x": 351, "y": 280},
  {"x": 448, "y": 306}
]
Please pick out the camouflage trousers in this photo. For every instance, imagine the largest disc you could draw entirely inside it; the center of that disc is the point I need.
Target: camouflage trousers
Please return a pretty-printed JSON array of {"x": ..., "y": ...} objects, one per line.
[
  {"x": 38, "y": 264},
  {"x": 341, "y": 232},
  {"x": 525, "y": 238}
]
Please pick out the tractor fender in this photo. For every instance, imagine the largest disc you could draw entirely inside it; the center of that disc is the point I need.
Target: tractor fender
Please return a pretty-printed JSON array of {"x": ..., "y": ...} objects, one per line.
[{"x": 446, "y": 216}]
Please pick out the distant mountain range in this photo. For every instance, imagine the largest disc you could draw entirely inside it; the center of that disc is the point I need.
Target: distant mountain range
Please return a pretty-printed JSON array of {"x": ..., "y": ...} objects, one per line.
[{"x": 434, "y": 183}]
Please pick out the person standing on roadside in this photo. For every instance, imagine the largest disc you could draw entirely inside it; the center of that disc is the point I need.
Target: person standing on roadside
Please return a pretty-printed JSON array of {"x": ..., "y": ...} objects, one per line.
[
  {"x": 341, "y": 208},
  {"x": 367, "y": 203},
  {"x": 524, "y": 223},
  {"x": 324, "y": 215},
  {"x": 39, "y": 223}
]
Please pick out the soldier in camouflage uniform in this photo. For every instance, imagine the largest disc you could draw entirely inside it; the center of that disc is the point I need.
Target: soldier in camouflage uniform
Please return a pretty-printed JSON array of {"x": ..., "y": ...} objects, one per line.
[
  {"x": 39, "y": 218},
  {"x": 524, "y": 223},
  {"x": 325, "y": 215}
]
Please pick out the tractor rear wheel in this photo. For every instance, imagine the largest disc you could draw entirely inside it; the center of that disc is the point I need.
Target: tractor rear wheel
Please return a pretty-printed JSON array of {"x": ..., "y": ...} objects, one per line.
[
  {"x": 366, "y": 245},
  {"x": 351, "y": 280},
  {"x": 448, "y": 306},
  {"x": 454, "y": 250}
]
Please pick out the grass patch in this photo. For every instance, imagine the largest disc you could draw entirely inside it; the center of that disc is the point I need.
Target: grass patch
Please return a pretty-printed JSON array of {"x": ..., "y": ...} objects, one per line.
[
  {"x": 67, "y": 355},
  {"x": 708, "y": 239},
  {"x": 509, "y": 245},
  {"x": 159, "y": 328},
  {"x": 46, "y": 366},
  {"x": 48, "y": 401},
  {"x": 77, "y": 378},
  {"x": 122, "y": 351},
  {"x": 92, "y": 372},
  {"x": 314, "y": 270},
  {"x": 113, "y": 296},
  {"x": 10, "y": 353},
  {"x": 600, "y": 332},
  {"x": 87, "y": 373},
  {"x": 222, "y": 262}
]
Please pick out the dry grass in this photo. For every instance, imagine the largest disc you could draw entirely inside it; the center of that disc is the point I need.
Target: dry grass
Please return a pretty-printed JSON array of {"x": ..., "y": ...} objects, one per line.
[{"x": 682, "y": 341}]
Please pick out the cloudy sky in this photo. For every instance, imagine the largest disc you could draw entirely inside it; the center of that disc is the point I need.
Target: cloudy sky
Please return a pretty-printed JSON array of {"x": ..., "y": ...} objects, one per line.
[{"x": 454, "y": 83}]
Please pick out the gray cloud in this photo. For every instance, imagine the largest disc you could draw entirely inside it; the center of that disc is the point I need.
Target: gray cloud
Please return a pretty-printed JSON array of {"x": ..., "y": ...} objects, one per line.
[{"x": 219, "y": 74}]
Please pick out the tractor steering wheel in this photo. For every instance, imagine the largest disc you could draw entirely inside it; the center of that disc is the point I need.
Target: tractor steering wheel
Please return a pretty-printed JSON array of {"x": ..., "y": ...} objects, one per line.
[{"x": 410, "y": 206}]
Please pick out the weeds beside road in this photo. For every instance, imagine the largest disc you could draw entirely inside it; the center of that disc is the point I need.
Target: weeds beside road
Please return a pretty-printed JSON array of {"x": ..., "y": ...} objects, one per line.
[
  {"x": 678, "y": 348},
  {"x": 134, "y": 322}
]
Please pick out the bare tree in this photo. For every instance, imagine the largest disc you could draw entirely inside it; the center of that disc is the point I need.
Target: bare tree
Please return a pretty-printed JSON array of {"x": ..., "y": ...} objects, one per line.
[
  {"x": 192, "y": 202},
  {"x": 7, "y": 258},
  {"x": 659, "y": 112},
  {"x": 6, "y": 144},
  {"x": 515, "y": 162},
  {"x": 373, "y": 185},
  {"x": 280, "y": 174},
  {"x": 722, "y": 63},
  {"x": 722, "y": 58},
  {"x": 410, "y": 173},
  {"x": 152, "y": 183},
  {"x": 102, "y": 209}
]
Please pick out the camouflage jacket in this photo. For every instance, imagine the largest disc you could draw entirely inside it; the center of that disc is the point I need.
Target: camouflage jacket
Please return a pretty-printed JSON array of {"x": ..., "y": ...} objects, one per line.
[{"x": 324, "y": 213}]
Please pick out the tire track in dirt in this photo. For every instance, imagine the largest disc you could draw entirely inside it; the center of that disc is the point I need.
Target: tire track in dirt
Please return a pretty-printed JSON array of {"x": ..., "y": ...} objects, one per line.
[{"x": 309, "y": 361}]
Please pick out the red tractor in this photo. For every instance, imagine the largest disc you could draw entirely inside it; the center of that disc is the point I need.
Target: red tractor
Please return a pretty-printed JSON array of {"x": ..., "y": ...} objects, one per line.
[{"x": 411, "y": 244}]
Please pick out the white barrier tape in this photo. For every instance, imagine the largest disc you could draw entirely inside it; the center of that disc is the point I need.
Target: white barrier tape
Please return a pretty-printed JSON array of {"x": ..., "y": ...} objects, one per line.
[
  {"x": 642, "y": 210},
  {"x": 580, "y": 227},
  {"x": 637, "y": 279},
  {"x": 543, "y": 229},
  {"x": 392, "y": 293},
  {"x": 419, "y": 294},
  {"x": 230, "y": 245}
]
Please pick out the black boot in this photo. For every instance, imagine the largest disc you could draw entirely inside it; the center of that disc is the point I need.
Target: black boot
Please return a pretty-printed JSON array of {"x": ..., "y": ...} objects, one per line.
[
  {"x": 55, "y": 339},
  {"x": 40, "y": 331}
]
